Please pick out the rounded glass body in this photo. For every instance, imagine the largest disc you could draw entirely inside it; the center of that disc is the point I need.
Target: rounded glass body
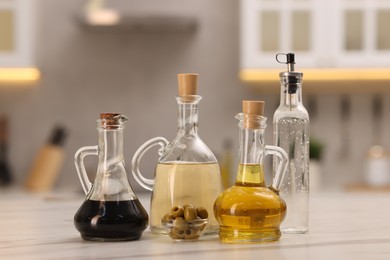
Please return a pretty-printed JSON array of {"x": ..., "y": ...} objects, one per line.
[{"x": 187, "y": 171}]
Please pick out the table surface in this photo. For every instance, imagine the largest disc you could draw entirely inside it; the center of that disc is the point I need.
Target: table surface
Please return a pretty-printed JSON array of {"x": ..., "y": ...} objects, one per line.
[{"x": 342, "y": 226}]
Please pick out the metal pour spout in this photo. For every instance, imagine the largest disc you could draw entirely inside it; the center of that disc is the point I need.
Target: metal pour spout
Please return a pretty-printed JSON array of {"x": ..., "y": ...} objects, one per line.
[{"x": 290, "y": 60}]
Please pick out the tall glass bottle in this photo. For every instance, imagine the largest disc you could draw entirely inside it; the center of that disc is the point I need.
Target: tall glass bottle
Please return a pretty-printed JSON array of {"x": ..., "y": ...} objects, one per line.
[
  {"x": 187, "y": 172},
  {"x": 249, "y": 211},
  {"x": 111, "y": 210},
  {"x": 291, "y": 132}
]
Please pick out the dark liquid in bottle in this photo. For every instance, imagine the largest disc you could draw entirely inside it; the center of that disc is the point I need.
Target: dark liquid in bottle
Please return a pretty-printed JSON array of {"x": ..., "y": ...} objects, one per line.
[{"x": 111, "y": 220}]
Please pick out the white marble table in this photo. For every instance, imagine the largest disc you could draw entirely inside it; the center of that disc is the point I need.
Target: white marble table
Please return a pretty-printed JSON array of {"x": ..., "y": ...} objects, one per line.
[{"x": 342, "y": 226}]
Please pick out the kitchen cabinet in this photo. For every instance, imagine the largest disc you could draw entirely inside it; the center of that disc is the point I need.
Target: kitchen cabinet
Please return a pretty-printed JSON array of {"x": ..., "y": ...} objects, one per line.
[
  {"x": 269, "y": 27},
  {"x": 324, "y": 34},
  {"x": 362, "y": 39},
  {"x": 16, "y": 33},
  {"x": 17, "y": 42}
]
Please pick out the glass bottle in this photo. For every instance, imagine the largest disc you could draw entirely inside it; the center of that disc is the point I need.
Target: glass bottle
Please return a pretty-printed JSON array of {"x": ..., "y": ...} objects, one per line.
[
  {"x": 111, "y": 211},
  {"x": 187, "y": 171},
  {"x": 291, "y": 132},
  {"x": 250, "y": 211}
]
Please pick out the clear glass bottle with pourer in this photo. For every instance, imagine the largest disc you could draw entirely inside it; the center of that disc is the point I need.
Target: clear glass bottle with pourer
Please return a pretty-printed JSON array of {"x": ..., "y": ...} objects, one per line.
[
  {"x": 249, "y": 211},
  {"x": 187, "y": 172},
  {"x": 291, "y": 132}
]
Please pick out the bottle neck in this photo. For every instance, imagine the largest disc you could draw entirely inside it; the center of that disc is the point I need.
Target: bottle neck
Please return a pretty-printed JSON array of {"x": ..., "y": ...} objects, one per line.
[
  {"x": 187, "y": 122},
  {"x": 251, "y": 152},
  {"x": 291, "y": 95},
  {"x": 110, "y": 147}
]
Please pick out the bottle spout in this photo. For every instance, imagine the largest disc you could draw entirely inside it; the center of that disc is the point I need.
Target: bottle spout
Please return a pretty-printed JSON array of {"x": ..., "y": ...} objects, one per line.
[
  {"x": 290, "y": 78},
  {"x": 121, "y": 118},
  {"x": 290, "y": 60},
  {"x": 112, "y": 120}
]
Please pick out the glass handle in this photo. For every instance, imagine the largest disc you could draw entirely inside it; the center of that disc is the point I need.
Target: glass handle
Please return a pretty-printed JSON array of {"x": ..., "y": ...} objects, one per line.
[
  {"x": 79, "y": 163},
  {"x": 281, "y": 167},
  {"x": 145, "y": 182}
]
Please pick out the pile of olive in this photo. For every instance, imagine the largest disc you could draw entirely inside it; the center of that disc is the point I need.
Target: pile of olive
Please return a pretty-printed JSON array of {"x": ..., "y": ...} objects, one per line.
[{"x": 185, "y": 222}]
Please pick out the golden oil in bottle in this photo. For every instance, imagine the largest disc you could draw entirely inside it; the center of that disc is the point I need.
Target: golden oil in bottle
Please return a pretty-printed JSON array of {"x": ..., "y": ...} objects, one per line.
[{"x": 249, "y": 211}]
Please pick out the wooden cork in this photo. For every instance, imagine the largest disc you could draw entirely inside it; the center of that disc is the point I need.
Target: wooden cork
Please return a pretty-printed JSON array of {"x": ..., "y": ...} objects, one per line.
[
  {"x": 109, "y": 116},
  {"x": 188, "y": 84},
  {"x": 109, "y": 119},
  {"x": 253, "y": 108}
]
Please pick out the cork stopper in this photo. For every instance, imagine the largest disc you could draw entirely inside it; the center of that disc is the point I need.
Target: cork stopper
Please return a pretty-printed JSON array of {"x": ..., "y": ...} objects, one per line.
[
  {"x": 110, "y": 120},
  {"x": 252, "y": 108},
  {"x": 109, "y": 116},
  {"x": 188, "y": 84}
]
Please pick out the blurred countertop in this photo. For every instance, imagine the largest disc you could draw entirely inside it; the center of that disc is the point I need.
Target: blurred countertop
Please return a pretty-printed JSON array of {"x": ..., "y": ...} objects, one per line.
[{"x": 342, "y": 226}]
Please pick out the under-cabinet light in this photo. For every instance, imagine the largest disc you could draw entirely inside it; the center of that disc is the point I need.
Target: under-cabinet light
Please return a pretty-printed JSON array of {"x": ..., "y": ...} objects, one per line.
[
  {"x": 344, "y": 74},
  {"x": 103, "y": 17},
  {"x": 19, "y": 75}
]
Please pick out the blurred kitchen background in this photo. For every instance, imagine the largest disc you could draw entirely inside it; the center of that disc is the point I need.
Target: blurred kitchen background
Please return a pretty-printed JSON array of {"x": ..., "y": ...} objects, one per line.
[{"x": 123, "y": 56}]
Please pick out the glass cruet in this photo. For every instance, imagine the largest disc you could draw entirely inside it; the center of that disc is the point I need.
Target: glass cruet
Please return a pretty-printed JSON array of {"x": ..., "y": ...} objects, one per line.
[
  {"x": 291, "y": 132},
  {"x": 249, "y": 211},
  {"x": 111, "y": 210},
  {"x": 187, "y": 172}
]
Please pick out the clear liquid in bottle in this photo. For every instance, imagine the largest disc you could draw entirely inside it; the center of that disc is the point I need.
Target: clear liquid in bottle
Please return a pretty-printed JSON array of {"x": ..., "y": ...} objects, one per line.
[{"x": 292, "y": 134}]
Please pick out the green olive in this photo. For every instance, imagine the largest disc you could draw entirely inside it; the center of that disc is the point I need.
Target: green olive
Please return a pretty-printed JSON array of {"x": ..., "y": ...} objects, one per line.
[
  {"x": 190, "y": 213},
  {"x": 174, "y": 235},
  {"x": 195, "y": 228},
  {"x": 180, "y": 224},
  {"x": 178, "y": 232},
  {"x": 191, "y": 234},
  {"x": 187, "y": 205},
  {"x": 202, "y": 213},
  {"x": 168, "y": 216},
  {"x": 177, "y": 211},
  {"x": 203, "y": 227}
]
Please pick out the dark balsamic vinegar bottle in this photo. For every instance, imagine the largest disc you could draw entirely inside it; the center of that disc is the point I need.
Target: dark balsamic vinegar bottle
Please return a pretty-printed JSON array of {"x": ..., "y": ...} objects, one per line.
[{"x": 111, "y": 211}]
